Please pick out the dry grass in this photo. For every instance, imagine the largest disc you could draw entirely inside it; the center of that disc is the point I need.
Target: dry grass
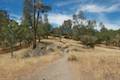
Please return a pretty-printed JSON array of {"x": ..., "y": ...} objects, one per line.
[
  {"x": 10, "y": 68},
  {"x": 72, "y": 58},
  {"x": 97, "y": 64},
  {"x": 93, "y": 64}
]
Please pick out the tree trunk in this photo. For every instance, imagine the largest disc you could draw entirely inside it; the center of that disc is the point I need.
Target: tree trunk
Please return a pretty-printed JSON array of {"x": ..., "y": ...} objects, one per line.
[
  {"x": 34, "y": 28},
  {"x": 60, "y": 38},
  {"x": 11, "y": 51},
  {"x": 39, "y": 39},
  {"x": 34, "y": 40},
  {"x": 20, "y": 43}
]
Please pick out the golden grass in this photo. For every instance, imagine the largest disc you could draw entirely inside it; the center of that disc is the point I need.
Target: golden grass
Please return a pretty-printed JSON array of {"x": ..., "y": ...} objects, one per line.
[
  {"x": 97, "y": 65},
  {"x": 72, "y": 58},
  {"x": 93, "y": 64},
  {"x": 11, "y": 67}
]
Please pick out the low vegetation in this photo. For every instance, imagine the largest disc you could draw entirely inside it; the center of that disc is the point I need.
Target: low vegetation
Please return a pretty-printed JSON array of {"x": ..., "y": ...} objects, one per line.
[
  {"x": 72, "y": 58},
  {"x": 22, "y": 64},
  {"x": 27, "y": 43},
  {"x": 31, "y": 31},
  {"x": 98, "y": 64}
]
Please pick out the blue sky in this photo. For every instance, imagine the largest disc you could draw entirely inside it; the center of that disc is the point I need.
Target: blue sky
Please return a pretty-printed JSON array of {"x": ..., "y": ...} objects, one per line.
[{"x": 106, "y": 11}]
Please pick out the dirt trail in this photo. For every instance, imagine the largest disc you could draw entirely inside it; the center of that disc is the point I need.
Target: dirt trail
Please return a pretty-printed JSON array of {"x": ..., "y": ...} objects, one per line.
[
  {"x": 59, "y": 70},
  {"x": 97, "y": 64}
]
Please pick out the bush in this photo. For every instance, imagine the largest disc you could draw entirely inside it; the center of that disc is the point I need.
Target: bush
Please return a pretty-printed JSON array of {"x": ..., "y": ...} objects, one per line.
[
  {"x": 89, "y": 41},
  {"x": 26, "y": 55},
  {"x": 72, "y": 58}
]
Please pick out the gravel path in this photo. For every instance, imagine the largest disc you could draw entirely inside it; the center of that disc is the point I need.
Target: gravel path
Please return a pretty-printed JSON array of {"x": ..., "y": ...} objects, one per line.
[{"x": 59, "y": 70}]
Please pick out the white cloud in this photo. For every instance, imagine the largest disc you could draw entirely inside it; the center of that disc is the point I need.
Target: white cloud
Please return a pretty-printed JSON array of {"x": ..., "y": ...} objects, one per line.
[
  {"x": 64, "y": 3},
  {"x": 58, "y": 18},
  {"x": 108, "y": 26},
  {"x": 15, "y": 17},
  {"x": 108, "y": 23},
  {"x": 112, "y": 26},
  {"x": 54, "y": 18},
  {"x": 100, "y": 9}
]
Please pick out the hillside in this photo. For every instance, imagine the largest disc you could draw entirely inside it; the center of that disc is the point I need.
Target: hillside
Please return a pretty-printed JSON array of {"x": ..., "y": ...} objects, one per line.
[{"x": 90, "y": 64}]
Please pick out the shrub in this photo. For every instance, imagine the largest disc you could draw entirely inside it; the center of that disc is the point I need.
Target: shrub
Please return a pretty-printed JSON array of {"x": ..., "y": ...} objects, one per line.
[
  {"x": 72, "y": 58},
  {"x": 89, "y": 41}
]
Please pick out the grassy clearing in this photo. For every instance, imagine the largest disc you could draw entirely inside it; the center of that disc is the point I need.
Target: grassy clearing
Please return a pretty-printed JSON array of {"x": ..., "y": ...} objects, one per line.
[
  {"x": 87, "y": 64},
  {"x": 12, "y": 67},
  {"x": 99, "y": 64}
]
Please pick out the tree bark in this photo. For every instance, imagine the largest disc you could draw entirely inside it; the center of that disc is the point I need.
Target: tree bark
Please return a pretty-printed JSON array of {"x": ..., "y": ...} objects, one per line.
[
  {"x": 34, "y": 28},
  {"x": 11, "y": 50},
  {"x": 39, "y": 39}
]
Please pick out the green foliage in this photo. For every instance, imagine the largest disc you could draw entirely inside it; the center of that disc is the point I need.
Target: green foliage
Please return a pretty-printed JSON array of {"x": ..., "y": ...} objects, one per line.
[
  {"x": 76, "y": 33},
  {"x": 25, "y": 33},
  {"x": 47, "y": 28},
  {"x": 66, "y": 29},
  {"x": 105, "y": 36},
  {"x": 56, "y": 32},
  {"x": 43, "y": 30},
  {"x": 89, "y": 41},
  {"x": 35, "y": 26},
  {"x": 9, "y": 36},
  {"x": 4, "y": 18}
]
